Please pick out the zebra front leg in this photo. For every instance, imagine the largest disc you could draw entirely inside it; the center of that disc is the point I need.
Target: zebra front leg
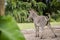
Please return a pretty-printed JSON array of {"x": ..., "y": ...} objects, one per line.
[
  {"x": 49, "y": 25},
  {"x": 37, "y": 31}
]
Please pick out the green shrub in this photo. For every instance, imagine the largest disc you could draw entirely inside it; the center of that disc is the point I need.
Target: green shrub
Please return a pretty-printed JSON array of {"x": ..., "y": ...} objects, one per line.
[
  {"x": 58, "y": 19},
  {"x": 9, "y": 29},
  {"x": 40, "y": 8},
  {"x": 52, "y": 20}
]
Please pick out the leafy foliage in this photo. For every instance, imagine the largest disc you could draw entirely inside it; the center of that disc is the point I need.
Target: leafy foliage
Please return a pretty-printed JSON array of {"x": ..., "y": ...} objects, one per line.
[
  {"x": 40, "y": 7},
  {"x": 17, "y": 7},
  {"x": 9, "y": 29}
]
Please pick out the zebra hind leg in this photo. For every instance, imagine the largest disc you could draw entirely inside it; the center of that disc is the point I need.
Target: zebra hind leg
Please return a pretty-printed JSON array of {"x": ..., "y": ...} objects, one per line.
[{"x": 51, "y": 29}]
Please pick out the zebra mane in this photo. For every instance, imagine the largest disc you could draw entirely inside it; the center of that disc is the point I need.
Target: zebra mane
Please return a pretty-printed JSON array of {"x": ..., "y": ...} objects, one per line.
[{"x": 34, "y": 11}]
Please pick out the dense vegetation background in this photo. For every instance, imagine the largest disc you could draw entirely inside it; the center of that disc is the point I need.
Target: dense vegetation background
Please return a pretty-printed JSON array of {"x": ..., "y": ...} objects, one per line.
[{"x": 19, "y": 8}]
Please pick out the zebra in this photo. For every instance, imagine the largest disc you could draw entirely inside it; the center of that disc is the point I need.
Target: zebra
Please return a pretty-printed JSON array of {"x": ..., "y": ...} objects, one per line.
[{"x": 40, "y": 21}]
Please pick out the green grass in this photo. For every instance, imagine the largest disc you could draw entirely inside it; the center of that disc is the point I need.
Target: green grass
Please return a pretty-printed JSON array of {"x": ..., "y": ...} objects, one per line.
[
  {"x": 26, "y": 25},
  {"x": 31, "y": 25}
]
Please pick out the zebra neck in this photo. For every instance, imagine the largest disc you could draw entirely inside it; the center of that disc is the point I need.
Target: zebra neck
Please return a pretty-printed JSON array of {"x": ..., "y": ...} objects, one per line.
[{"x": 34, "y": 16}]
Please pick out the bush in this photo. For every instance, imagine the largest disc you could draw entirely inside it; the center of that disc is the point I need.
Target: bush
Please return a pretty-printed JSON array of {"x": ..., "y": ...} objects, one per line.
[
  {"x": 52, "y": 20},
  {"x": 40, "y": 7},
  {"x": 58, "y": 19},
  {"x": 9, "y": 29}
]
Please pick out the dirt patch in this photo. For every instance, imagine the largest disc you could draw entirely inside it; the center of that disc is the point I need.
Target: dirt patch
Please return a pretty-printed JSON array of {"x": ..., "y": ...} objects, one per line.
[{"x": 47, "y": 35}]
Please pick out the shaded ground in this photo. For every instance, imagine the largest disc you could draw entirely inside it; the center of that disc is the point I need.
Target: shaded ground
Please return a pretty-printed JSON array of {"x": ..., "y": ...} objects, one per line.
[{"x": 48, "y": 35}]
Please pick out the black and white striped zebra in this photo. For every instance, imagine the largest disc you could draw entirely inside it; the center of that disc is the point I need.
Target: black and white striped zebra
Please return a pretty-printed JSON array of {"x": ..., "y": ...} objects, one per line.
[{"x": 40, "y": 21}]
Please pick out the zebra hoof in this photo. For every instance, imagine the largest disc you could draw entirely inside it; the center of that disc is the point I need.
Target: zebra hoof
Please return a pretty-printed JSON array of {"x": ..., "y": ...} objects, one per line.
[
  {"x": 55, "y": 35},
  {"x": 41, "y": 38}
]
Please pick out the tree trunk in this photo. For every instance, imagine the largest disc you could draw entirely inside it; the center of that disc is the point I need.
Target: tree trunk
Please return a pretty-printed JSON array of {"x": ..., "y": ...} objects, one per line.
[{"x": 2, "y": 7}]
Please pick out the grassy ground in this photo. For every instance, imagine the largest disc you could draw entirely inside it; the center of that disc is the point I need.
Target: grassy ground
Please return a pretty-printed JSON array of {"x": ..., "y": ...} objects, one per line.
[{"x": 31, "y": 25}]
